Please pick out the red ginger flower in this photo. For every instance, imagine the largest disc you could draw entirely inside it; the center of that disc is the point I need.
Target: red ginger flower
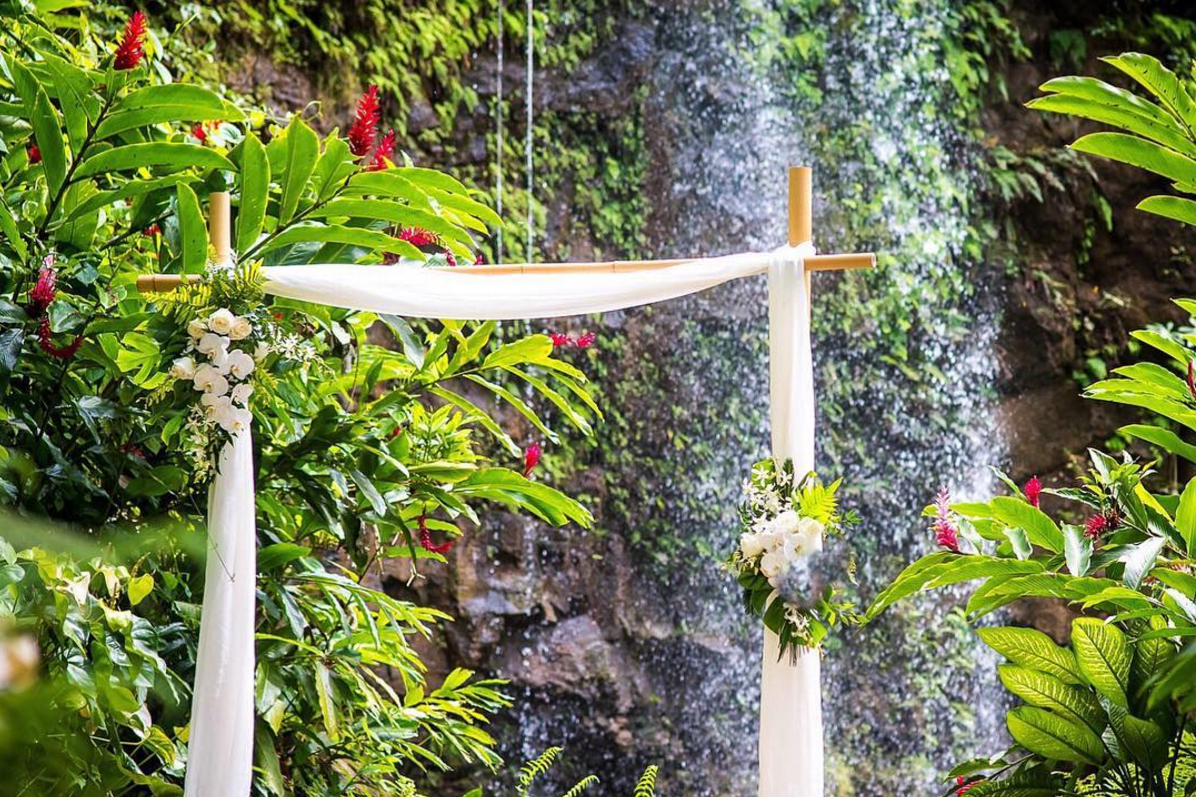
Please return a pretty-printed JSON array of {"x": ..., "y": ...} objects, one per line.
[
  {"x": 561, "y": 339},
  {"x": 46, "y": 341},
  {"x": 417, "y": 237},
  {"x": 1098, "y": 524},
  {"x": 1192, "y": 379},
  {"x": 425, "y": 538},
  {"x": 365, "y": 123},
  {"x": 1033, "y": 491},
  {"x": 531, "y": 458},
  {"x": 34, "y": 153},
  {"x": 450, "y": 258},
  {"x": 385, "y": 154},
  {"x": 45, "y": 290},
  {"x": 479, "y": 260},
  {"x": 132, "y": 44},
  {"x": 963, "y": 786},
  {"x": 587, "y": 340},
  {"x": 199, "y": 132},
  {"x": 945, "y": 533}
]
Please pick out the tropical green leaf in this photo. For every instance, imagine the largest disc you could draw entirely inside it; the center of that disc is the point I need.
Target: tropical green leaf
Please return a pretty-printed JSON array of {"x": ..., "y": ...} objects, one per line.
[
  {"x": 255, "y": 192},
  {"x": 1040, "y": 529},
  {"x": 1159, "y": 81},
  {"x": 1032, "y": 649},
  {"x": 1185, "y": 516},
  {"x": 302, "y": 150},
  {"x": 1103, "y": 657},
  {"x": 1077, "y": 549},
  {"x": 1045, "y": 691},
  {"x": 147, "y": 156},
  {"x": 46, "y": 123},
  {"x": 332, "y": 233},
  {"x": 192, "y": 233},
  {"x": 1170, "y": 207},
  {"x": 1167, "y": 440},
  {"x": 1053, "y": 737},
  {"x": 174, "y": 102}
]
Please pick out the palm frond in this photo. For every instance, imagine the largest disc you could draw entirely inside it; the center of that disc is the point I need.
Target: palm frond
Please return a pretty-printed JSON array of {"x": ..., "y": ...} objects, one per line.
[
  {"x": 581, "y": 786},
  {"x": 536, "y": 768}
]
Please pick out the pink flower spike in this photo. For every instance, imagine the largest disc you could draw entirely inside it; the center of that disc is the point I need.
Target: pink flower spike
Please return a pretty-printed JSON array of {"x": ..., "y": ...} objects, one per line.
[
  {"x": 1033, "y": 491},
  {"x": 479, "y": 260},
  {"x": 132, "y": 44},
  {"x": 945, "y": 533},
  {"x": 385, "y": 153},
  {"x": 561, "y": 340},
  {"x": 46, "y": 289},
  {"x": 417, "y": 237},
  {"x": 365, "y": 123},
  {"x": 587, "y": 340},
  {"x": 531, "y": 458},
  {"x": 450, "y": 259},
  {"x": 425, "y": 538}
]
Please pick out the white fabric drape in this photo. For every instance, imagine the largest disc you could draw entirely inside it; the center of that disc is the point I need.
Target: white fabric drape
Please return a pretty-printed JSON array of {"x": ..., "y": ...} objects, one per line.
[
  {"x": 418, "y": 292},
  {"x": 221, "y": 737},
  {"x": 220, "y": 744},
  {"x": 790, "y": 691}
]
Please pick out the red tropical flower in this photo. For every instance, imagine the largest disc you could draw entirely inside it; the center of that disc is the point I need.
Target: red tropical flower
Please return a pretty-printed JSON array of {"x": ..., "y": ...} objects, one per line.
[
  {"x": 531, "y": 458},
  {"x": 587, "y": 340},
  {"x": 365, "y": 123},
  {"x": 1033, "y": 491},
  {"x": 450, "y": 258},
  {"x": 561, "y": 339},
  {"x": 425, "y": 538},
  {"x": 1192, "y": 379},
  {"x": 479, "y": 260},
  {"x": 34, "y": 153},
  {"x": 963, "y": 786},
  {"x": 199, "y": 132},
  {"x": 151, "y": 231},
  {"x": 385, "y": 153},
  {"x": 45, "y": 339},
  {"x": 417, "y": 237},
  {"x": 945, "y": 533},
  {"x": 1098, "y": 524},
  {"x": 132, "y": 45},
  {"x": 45, "y": 290}
]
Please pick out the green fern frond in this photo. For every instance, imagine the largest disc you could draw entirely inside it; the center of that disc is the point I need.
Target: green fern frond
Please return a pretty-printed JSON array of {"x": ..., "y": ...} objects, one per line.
[
  {"x": 646, "y": 787},
  {"x": 818, "y": 501},
  {"x": 581, "y": 785},
  {"x": 536, "y": 768}
]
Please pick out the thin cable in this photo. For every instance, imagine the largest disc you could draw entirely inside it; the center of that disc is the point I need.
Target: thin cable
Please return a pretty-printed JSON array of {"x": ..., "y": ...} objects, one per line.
[
  {"x": 531, "y": 49},
  {"x": 499, "y": 116}
]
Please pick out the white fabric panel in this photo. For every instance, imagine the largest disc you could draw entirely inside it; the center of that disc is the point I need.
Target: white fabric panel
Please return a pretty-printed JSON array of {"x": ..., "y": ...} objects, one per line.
[
  {"x": 220, "y": 746},
  {"x": 418, "y": 292},
  {"x": 790, "y": 691}
]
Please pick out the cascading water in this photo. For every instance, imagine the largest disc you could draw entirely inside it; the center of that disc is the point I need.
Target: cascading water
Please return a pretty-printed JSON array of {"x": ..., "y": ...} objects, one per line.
[{"x": 686, "y": 387}]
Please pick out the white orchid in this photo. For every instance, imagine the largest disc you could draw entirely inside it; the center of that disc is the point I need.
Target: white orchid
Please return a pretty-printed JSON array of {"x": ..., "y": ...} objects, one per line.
[
  {"x": 241, "y": 393},
  {"x": 221, "y": 322},
  {"x": 211, "y": 343},
  {"x": 210, "y": 380},
  {"x": 751, "y": 545},
  {"x": 240, "y": 364},
  {"x": 809, "y": 536},
  {"x": 234, "y": 420}
]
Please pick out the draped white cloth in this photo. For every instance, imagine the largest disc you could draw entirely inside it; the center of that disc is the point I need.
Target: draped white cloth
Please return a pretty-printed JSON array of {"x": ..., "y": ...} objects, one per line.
[
  {"x": 220, "y": 751},
  {"x": 791, "y": 762},
  {"x": 220, "y": 744}
]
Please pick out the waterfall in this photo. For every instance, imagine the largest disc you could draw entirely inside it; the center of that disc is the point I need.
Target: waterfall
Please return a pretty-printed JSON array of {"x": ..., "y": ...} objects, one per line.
[
  {"x": 529, "y": 142},
  {"x": 499, "y": 125}
]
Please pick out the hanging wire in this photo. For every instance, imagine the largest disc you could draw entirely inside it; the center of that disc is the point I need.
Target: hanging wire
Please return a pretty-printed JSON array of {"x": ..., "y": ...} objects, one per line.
[
  {"x": 499, "y": 119},
  {"x": 531, "y": 49}
]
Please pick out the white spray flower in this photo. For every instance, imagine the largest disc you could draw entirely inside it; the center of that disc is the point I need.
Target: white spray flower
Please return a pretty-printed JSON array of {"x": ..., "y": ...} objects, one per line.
[{"x": 261, "y": 351}]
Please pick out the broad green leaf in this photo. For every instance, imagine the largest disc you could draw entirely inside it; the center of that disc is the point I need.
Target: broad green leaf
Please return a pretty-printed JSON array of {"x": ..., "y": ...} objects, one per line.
[
  {"x": 1103, "y": 657},
  {"x": 1018, "y": 542},
  {"x": 369, "y": 491},
  {"x": 335, "y": 165},
  {"x": 1140, "y": 559},
  {"x": 174, "y": 102},
  {"x": 302, "y": 149},
  {"x": 326, "y": 692},
  {"x": 140, "y": 587},
  {"x": 517, "y": 492},
  {"x": 1159, "y": 81},
  {"x": 1045, "y": 691},
  {"x": 280, "y": 554},
  {"x": 1077, "y": 549},
  {"x": 1141, "y": 153},
  {"x": 73, "y": 88},
  {"x": 132, "y": 188},
  {"x": 368, "y": 239},
  {"x": 1170, "y": 207},
  {"x": 1167, "y": 440},
  {"x": 480, "y": 417},
  {"x": 1185, "y": 516},
  {"x": 193, "y": 236},
  {"x": 1164, "y": 344},
  {"x": 1119, "y": 116},
  {"x": 532, "y": 349},
  {"x": 1053, "y": 737},
  {"x": 46, "y": 123},
  {"x": 147, "y": 156},
  {"x": 519, "y": 404},
  {"x": 1144, "y": 740},
  {"x": 1032, "y": 649},
  {"x": 1098, "y": 91},
  {"x": 1040, "y": 529},
  {"x": 267, "y": 761},
  {"x": 12, "y": 235},
  {"x": 255, "y": 192},
  {"x": 1034, "y": 783},
  {"x": 393, "y": 213}
]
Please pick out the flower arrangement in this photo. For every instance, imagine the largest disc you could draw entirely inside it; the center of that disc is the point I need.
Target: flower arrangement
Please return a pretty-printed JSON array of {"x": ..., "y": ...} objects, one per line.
[{"x": 785, "y": 521}]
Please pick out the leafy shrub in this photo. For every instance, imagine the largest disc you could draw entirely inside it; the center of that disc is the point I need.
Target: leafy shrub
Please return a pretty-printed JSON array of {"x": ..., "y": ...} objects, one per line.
[{"x": 103, "y": 175}]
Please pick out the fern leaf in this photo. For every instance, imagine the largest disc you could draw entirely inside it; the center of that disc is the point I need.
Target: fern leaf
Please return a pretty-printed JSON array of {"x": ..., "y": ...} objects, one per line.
[
  {"x": 646, "y": 787},
  {"x": 536, "y": 768},
  {"x": 581, "y": 786}
]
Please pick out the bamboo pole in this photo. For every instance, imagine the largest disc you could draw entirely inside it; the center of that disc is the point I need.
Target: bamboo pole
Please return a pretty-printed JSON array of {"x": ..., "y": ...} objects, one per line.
[
  {"x": 801, "y": 212},
  {"x": 220, "y": 226}
]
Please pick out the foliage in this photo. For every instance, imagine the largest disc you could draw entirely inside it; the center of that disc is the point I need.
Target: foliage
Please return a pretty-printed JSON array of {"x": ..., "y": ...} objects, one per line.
[
  {"x": 538, "y": 767},
  {"x": 357, "y": 446},
  {"x": 1159, "y": 129}
]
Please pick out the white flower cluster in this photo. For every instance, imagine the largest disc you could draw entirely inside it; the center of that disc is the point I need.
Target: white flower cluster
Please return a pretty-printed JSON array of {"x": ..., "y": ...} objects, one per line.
[
  {"x": 777, "y": 543},
  {"x": 223, "y": 379}
]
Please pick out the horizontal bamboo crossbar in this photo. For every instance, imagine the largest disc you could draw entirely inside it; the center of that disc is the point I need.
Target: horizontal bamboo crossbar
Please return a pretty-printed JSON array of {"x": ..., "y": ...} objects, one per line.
[{"x": 162, "y": 283}]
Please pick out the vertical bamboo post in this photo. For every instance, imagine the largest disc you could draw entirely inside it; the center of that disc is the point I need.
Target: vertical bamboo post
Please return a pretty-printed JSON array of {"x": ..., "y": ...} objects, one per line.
[
  {"x": 220, "y": 226},
  {"x": 801, "y": 209}
]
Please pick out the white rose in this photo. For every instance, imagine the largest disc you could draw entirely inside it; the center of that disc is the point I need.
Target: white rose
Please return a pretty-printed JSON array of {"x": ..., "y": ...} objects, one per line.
[
  {"x": 241, "y": 329},
  {"x": 211, "y": 343},
  {"x": 808, "y": 536},
  {"x": 751, "y": 545},
  {"x": 233, "y": 420},
  {"x": 786, "y": 522},
  {"x": 183, "y": 368},
  {"x": 240, "y": 364},
  {"x": 197, "y": 328},
  {"x": 773, "y": 564},
  {"x": 221, "y": 321},
  {"x": 210, "y": 380},
  {"x": 241, "y": 393},
  {"x": 261, "y": 351}
]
